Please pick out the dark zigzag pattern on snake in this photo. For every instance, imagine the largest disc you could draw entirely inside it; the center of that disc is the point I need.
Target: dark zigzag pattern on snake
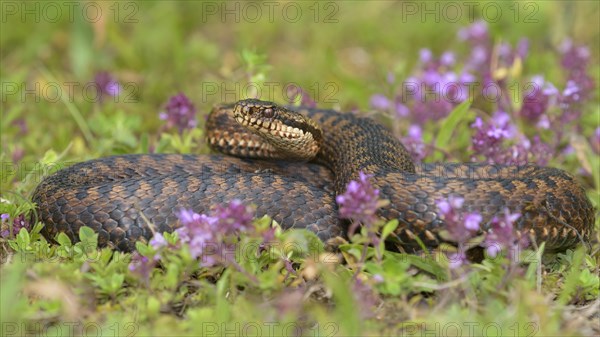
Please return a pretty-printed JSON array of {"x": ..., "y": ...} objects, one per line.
[{"x": 128, "y": 198}]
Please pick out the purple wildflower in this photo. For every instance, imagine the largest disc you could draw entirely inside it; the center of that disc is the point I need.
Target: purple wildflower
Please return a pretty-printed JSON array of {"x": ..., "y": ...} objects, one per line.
[
  {"x": 571, "y": 93},
  {"x": 433, "y": 79},
  {"x": 366, "y": 297},
  {"x": 19, "y": 222},
  {"x": 580, "y": 86},
  {"x": 595, "y": 141},
  {"x": 543, "y": 123},
  {"x": 234, "y": 217},
  {"x": 107, "y": 85},
  {"x": 360, "y": 201},
  {"x": 536, "y": 102},
  {"x": 188, "y": 216},
  {"x": 198, "y": 230},
  {"x": 458, "y": 259},
  {"x": 414, "y": 143},
  {"x": 490, "y": 142},
  {"x": 425, "y": 55},
  {"x": 539, "y": 152},
  {"x": 402, "y": 110},
  {"x": 505, "y": 53},
  {"x": 479, "y": 61},
  {"x": 141, "y": 266},
  {"x": 415, "y": 132},
  {"x": 488, "y": 138},
  {"x": 476, "y": 33},
  {"x": 502, "y": 120},
  {"x": 289, "y": 302},
  {"x": 21, "y": 123},
  {"x": 158, "y": 241},
  {"x": 380, "y": 102},
  {"x": 497, "y": 133},
  {"x": 294, "y": 92},
  {"x": 451, "y": 89},
  {"x": 207, "y": 235},
  {"x": 502, "y": 235},
  {"x": 472, "y": 221},
  {"x": 522, "y": 48},
  {"x": 4, "y": 218},
  {"x": 447, "y": 206},
  {"x": 574, "y": 57},
  {"x": 390, "y": 78},
  {"x": 461, "y": 227},
  {"x": 447, "y": 59},
  {"x": 523, "y": 152},
  {"x": 436, "y": 90},
  {"x": 17, "y": 154},
  {"x": 459, "y": 92},
  {"x": 434, "y": 109},
  {"x": 180, "y": 112},
  {"x": 479, "y": 56}
]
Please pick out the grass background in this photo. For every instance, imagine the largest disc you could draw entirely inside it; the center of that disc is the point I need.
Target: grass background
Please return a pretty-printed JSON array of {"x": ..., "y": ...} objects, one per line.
[
  {"x": 340, "y": 52},
  {"x": 161, "y": 48}
]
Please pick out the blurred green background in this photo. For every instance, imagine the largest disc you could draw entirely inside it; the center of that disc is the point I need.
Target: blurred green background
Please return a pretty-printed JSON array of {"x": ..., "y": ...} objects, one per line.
[{"x": 340, "y": 52}]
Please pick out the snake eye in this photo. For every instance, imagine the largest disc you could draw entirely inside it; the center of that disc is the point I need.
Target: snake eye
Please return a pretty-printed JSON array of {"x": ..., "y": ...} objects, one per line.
[{"x": 268, "y": 113}]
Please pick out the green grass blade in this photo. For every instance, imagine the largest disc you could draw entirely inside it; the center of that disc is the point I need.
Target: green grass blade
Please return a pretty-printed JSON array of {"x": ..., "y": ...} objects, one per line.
[{"x": 459, "y": 114}]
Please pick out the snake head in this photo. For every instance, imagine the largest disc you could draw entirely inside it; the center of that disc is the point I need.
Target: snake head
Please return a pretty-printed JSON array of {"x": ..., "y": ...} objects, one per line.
[
  {"x": 254, "y": 108},
  {"x": 290, "y": 132}
]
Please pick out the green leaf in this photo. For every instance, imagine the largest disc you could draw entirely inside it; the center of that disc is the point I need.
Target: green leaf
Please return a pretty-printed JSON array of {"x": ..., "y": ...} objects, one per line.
[
  {"x": 50, "y": 157},
  {"x": 116, "y": 282},
  {"x": 144, "y": 249},
  {"x": 449, "y": 125},
  {"x": 172, "y": 275},
  {"x": 302, "y": 242},
  {"x": 13, "y": 245},
  {"x": 153, "y": 306},
  {"x": 346, "y": 309},
  {"x": 63, "y": 240},
  {"x": 222, "y": 308},
  {"x": 72, "y": 108},
  {"x": 23, "y": 239},
  {"x": 117, "y": 130},
  {"x": 534, "y": 259},
  {"x": 144, "y": 144},
  {"x": 427, "y": 264},
  {"x": 572, "y": 278},
  {"x": 263, "y": 223},
  {"x": 81, "y": 46},
  {"x": 89, "y": 238},
  {"x": 12, "y": 301},
  {"x": 389, "y": 228}
]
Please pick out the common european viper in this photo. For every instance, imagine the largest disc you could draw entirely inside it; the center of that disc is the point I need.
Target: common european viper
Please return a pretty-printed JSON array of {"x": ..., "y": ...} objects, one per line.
[{"x": 128, "y": 198}]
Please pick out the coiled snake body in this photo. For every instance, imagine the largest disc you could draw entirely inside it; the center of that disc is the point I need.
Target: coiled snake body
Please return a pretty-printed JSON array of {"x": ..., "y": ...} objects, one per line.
[{"x": 128, "y": 198}]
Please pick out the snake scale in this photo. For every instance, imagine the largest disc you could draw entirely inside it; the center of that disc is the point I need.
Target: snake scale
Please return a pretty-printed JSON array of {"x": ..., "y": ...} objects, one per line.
[{"x": 127, "y": 198}]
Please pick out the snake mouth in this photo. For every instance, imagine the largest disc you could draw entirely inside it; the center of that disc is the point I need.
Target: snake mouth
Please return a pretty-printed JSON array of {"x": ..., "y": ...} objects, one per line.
[{"x": 266, "y": 118}]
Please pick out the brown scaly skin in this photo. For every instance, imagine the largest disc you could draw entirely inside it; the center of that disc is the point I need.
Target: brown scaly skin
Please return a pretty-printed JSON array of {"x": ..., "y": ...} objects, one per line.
[{"x": 127, "y": 198}]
